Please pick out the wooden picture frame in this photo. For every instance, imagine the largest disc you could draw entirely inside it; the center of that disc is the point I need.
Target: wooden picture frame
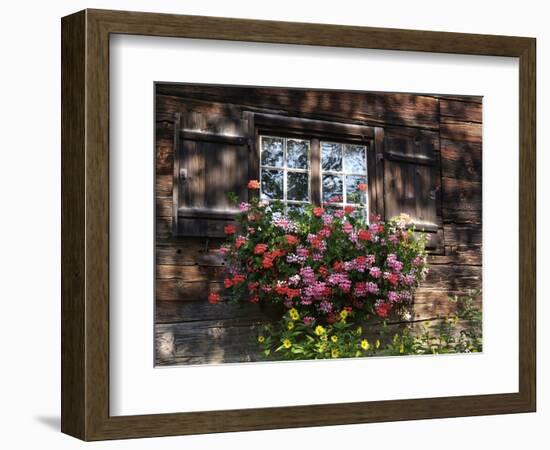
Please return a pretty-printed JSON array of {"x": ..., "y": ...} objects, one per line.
[{"x": 85, "y": 224}]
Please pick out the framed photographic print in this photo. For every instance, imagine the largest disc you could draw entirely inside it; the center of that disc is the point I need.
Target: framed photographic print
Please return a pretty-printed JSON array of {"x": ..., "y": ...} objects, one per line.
[{"x": 271, "y": 224}]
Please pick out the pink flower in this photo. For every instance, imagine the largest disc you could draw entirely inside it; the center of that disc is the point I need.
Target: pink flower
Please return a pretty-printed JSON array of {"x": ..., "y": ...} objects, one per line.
[
  {"x": 375, "y": 272},
  {"x": 308, "y": 275},
  {"x": 244, "y": 207},
  {"x": 347, "y": 228}
]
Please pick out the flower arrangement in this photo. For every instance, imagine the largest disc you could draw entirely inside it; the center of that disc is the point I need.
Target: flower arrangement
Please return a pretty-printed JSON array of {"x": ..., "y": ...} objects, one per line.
[{"x": 326, "y": 266}]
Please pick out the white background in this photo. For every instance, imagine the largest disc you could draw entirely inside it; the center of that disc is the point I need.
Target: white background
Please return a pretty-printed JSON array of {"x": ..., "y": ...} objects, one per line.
[
  {"x": 136, "y": 387},
  {"x": 30, "y": 237}
]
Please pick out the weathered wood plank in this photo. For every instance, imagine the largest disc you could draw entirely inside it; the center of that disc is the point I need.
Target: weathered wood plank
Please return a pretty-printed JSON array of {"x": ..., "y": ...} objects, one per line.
[
  {"x": 163, "y": 206},
  {"x": 452, "y": 278},
  {"x": 171, "y": 312},
  {"x": 168, "y": 105},
  {"x": 190, "y": 274},
  {"x": 187, "y": 291},
  {"x": 190, "y": 251},
  {"x": 460, "y": 131},
  {"x": 461, "y": 160},
  {"x": 461, "y": 215},
  {"x": 459, "y": 110},
  {"x": 371, "y": 107},
  {"x": 163, "y": 185},
  {"x": 461, "y": 194},
  {"x": 164, "y": 158},
  {"x": 463, "y": 235},
  {"x": 458, "y": 256},
  {"x": 163, "y": 230},
  {"x": 206, "y": 342}
]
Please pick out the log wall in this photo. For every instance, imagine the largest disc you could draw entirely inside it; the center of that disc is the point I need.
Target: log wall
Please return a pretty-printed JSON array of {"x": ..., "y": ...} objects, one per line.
[{"x": 189, "y": 330}]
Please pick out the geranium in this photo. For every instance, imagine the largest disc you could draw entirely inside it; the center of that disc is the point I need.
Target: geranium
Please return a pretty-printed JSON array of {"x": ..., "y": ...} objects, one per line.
[
  {"x": 214, "y": 298},
  {"x": 230, "y": 229},
  {"x": 291, "y": 240},
  {"x": 253, "y": 184},
  {"x": 260, "y": 249},
  {"x": 320, "y": 261}
]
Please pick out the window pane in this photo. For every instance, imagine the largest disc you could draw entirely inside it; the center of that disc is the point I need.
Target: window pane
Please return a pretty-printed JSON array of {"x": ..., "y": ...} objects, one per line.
[
  {"x": 354, "y": 195},
  {"x": 297, "y": 154},
  {"x": 332, "y": 188},
  {"x": 331, "y": 156},
  {"x": 272, "y": 152},
  {"x": 355, "y": 158},
  {"x": 272, "y": 184},
  {"x": 297, "y": 186}
]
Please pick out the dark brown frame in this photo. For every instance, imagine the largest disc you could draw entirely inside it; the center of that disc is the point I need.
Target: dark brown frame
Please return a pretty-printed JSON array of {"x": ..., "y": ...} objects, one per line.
[{"x": 85, "y": 224}]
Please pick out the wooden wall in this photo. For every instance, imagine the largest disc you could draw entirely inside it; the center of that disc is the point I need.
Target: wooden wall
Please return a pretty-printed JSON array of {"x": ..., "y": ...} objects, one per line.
[{"x": 189, "y": 330}]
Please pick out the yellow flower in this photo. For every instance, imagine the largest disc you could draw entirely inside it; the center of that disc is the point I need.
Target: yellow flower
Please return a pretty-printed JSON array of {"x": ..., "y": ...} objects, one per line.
[
  {"x": 401, "y": 348},
  {"x": 287, "y": 343},
  {"x": 377, "y": 345},
  {"x": 365, "y": 344},
  {"x": 334, "y": 339},
  {"x": 324, "y": 338},
  {"x": 261, "y": 339},
  {"x": 343, "y": 314},
  {"x": 319, "y": 330},
  {"x": 359, "y": 331},
  {"x": 294, "y": 315},
  {"x": 290, "y": 325},
  {"x": 335, "y": 353}
]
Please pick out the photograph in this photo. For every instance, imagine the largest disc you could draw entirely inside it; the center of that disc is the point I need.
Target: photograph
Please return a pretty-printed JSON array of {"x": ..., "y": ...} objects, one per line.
[{"x": 306, "y": 224}]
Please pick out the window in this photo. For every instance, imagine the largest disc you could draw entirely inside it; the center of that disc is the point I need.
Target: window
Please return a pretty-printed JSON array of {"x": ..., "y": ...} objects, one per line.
[
  {"x": 286, "y": 172},
  {"x": 344, "y": 173}
]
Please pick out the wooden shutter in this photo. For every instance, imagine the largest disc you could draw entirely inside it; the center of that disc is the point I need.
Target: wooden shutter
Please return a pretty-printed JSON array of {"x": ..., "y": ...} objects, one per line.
[
  {"x": 211, "y": 160},
  {"x": 411, "y": 181}
]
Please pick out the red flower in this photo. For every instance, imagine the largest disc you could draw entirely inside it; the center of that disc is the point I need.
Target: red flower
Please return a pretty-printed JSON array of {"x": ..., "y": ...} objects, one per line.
[
  {"x": 382, "y": 309},
  {"x": 254, "y": 299},
  {"x": 318, "y": 211},
  {"x": 292, "y": 293},
  {"x": 338, "y": 266},
  {"x": 213, "y": 298},
  {"x": 238, "y": 279},
  {"x": 361, "y": 260},
  {"x": 253, "y": 184},
  {"x": 363, "y": 235},
  {"x": 240, "y": 241},
  {"x": 291, "y": 240},
  {"x": 253, "y": 286},
  {"x": 348, "y": 209},
  {"x": 393, "y": 279},
  {"x": 281, "y": 289},
  {"x": 267, "y": 262},
  {"x": 230, "y": 229},
  {"x": 260, "y": 249},
  {"x": 323, "y": 271},
  {"x": 362, "y": 187},
  {"x": 228, "y": 282}
]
